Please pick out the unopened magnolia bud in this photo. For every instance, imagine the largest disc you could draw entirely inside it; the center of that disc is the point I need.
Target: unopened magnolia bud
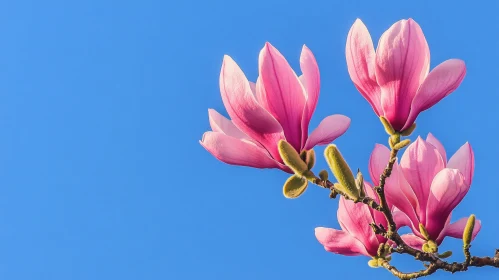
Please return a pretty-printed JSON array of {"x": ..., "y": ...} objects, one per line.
[
  {"x": 445, "y": 254},
  {"x": 409, "y": 130},
  {"x": 341, "y": 171},
  {"x": 423, "y": 232},
  {"x": 323, "y": 175},
  {"x": 360, "y": 183},
  {"x": 388, "y": 127},
  {"x": 468, "y": 230},
  {"x": 342, "y": 189},
  {"x": 310, "y": 159},
  {"x": 291, "y": 158},
  {"x": 294, "y": 186},
  {"x": 402, "y": 144}
]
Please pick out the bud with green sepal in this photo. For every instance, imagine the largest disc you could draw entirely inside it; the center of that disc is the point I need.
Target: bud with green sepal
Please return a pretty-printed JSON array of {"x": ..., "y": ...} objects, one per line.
[
  {"x": 294, "y": 186},
  {"x": 424, "y": 232},
  {"x": 468, "y": 231},
  {"x": 359, "y": 181},
  {"x": 291, "y": 158},
  {"x": 409, "y": 130},
  {"x": 324, "y": 175},
  {"x": 402, "y": 144},
  {"x": 388, "y": 127},
  {"x": 310, "y": 159},
  {"x": 445, "y": 254},
  {"x": 341, "y": 172}
]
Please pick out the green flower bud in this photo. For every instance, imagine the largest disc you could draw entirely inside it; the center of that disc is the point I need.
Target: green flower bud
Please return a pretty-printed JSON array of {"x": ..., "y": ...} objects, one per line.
[
  {"x": 294, "y": 186},
  {"x": 409, "y": 130},
  {"x": 291, "y": 158},
  {"x": 388, "y": 127},
  {"x": 323, "y": 175},
  {"x": 310, "y": 159},
  {"x": 445, "y": 254},
  {"x": 359, "y": 181},
  {"x": 402, "y": 144},
  {"x": 423, "y": 232},
  {"x": 468, "y": 230},
  {"x": 341, "y": 171}
]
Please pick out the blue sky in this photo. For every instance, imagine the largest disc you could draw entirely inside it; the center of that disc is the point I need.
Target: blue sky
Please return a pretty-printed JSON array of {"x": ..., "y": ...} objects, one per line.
[{"x": 102, "y": 104}]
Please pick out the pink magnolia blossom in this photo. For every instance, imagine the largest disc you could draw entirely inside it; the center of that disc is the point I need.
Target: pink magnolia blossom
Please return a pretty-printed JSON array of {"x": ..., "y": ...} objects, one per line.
[
  {"x": 426, "y": 187},
  {"x": 356, "y": 237},
  {"x": 279, "y": 106},
  {"x": 394, "y": 79}
]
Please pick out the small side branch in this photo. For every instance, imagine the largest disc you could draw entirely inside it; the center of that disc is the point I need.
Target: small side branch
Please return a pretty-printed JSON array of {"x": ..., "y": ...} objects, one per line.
[{"x": 413, "y": 275}]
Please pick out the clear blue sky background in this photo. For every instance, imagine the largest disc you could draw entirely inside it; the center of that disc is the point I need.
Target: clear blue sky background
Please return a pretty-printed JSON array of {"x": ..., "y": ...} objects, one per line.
[{"x": 102, "y": 104}]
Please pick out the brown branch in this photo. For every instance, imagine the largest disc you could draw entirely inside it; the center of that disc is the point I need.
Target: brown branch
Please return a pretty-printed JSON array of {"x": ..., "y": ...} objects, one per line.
[
  {"x": 413, "y": 275},
  {"x": 435, "y": 263},
  {"x": 329, "y": 185},
  {"x": 380, "y": 191},
  {"x": 467, "y": 255}
]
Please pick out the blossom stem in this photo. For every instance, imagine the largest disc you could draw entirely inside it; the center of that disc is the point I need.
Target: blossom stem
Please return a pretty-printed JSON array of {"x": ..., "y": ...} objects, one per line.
[{"x": 435, "y": 263}]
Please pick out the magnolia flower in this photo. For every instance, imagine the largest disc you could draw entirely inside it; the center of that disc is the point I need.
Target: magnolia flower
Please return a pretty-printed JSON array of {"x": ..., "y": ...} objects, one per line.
[
  {"x": 426, "y": 188},
  {"x": 356, "y": 237},
  {"x": 279, "y": 106},
  {"x": 394, "y": 79}
]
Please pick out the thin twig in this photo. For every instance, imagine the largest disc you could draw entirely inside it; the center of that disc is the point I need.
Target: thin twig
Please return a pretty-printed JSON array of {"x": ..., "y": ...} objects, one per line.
[{"x": 435, "y": 263}]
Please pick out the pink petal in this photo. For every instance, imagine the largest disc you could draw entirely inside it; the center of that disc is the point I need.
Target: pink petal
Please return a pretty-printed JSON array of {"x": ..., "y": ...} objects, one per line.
[
  {"x": 401, "y": 218},
  {"x": 339, "y": 242},
  {"x": 420, "y": 163},
  {"x": 434, "y": 141},
  {"x": 378, "y": 161},
  {"x": 402, "y": 63},
  {"x": 311, "y": 82},
  {"x": 413, "y": 241},
  {"x": 456, "y": 229},
  {"x": 223, "y": 125},
  {"x": 464, "y": 160},
  {"x": 238, "y": 152},
  {"x": 330, "y": 128},
  {"x": 361, "y": 60},
  {"x": 355, "y": 218},
  {"x": 441, "y": 81},
  {"x": 447, "y": 190},
  {"x": 253, "y": 88},
  {"x": 281, "y": 93},
  {"x": 397, "y": 190},
  {"x": 244, "y": 110}
]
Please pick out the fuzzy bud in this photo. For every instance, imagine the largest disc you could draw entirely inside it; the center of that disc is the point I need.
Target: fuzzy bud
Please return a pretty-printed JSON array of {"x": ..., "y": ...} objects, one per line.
[
  {"x": 294, "y": 186},
  {"x": 386, "y": 124},
  {"x": 291, "y": 158},
  {"x": 341, "y": 171},
  {"x": 468, "y": 230},
  {"x": 409, "y": 130}
]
